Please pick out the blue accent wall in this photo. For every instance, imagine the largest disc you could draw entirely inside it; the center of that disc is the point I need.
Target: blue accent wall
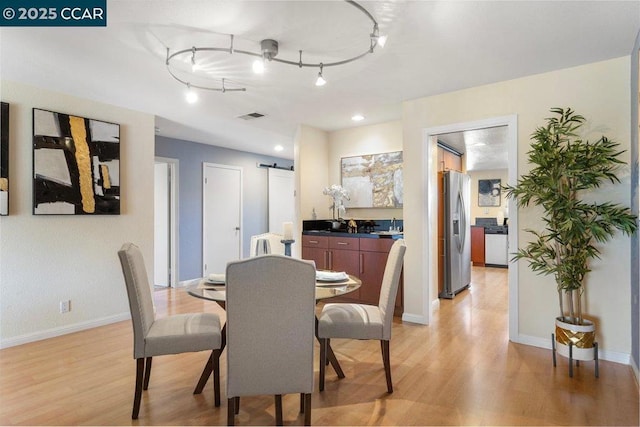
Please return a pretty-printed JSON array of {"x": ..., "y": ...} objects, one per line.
[{"x": 191, "y": 156}]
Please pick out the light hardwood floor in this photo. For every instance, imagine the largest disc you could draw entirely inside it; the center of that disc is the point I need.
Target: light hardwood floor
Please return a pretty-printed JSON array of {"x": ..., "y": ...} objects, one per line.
[{"x": 461, "y": 370}]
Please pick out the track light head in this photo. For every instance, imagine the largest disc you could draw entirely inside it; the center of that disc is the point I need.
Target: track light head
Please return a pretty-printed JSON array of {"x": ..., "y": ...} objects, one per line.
[{"x": 320, "y": 81}]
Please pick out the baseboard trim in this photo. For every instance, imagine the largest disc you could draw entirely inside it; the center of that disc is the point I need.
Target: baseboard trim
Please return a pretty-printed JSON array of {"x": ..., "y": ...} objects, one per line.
[
  {"x": 611, "y": 356},
  {"x": 183, "y": 283},
  {"x": 63, "y": 330},
  {"x": 635, "y": 371},
  {"x": 414, "y": 318}
]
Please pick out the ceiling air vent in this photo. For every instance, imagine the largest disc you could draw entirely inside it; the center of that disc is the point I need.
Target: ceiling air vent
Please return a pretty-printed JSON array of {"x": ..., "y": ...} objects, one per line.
[{"x": 251, "y": 116}]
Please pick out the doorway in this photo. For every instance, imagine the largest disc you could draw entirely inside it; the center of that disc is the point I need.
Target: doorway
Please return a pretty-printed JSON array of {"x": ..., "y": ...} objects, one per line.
[
  {"x": 165, "y": 260},
  {"x": 430, "y": 222},
  {"x": 221, "y": 216}
]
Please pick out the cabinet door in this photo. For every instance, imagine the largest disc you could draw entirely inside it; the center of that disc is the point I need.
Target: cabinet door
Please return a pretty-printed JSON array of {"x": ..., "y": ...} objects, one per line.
[
  {"x": 347, "y": 261},
  {"x": 318, "y": 255},
  {"x": 496, "y": 249},
  {"x": 477, "y": 245},
  {"x": 372, "y": 266}
]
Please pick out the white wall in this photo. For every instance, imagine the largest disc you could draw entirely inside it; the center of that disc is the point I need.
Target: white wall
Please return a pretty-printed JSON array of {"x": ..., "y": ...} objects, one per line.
[
  {"x": 371, "y": 139},
  {"x": 598, "y": 91},
  {"x": 46, "y": 259}
]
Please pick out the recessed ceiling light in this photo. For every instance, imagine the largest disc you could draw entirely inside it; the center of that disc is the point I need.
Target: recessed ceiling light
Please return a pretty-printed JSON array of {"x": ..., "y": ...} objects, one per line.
[
  {"x": 278, "y": 148},
  {"x": 357, "y": 117}
]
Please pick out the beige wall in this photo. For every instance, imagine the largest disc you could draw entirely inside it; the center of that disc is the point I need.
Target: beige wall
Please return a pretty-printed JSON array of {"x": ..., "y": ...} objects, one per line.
[
  {"x": 317, "y": 157},
  {"x": 46, "y": 259},
  {"x": 486, "y": 211},
  {"x": 600, "y": 92},
  {"x": 371, "y": 139},
  {"x": 311, "y": 148}
]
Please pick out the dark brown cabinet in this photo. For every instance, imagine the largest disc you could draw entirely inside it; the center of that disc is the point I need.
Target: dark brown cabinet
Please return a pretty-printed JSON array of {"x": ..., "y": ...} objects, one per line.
[
  {"x": 364, "y": 258},
  {"x": 373, "y": 259},
  {"x": 344, "y": 256},
  {"x": 477, "y": 245},
  {"x": 316, "y": 249},
  {"x": 334, "y": 253}
]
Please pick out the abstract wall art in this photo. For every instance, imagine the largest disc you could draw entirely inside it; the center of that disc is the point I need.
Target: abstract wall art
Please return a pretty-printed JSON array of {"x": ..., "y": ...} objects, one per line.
[
  {"x": 4, "y": 158},
  {"x": 373, "y": 180},
  {"x": 488, "y": 192},
  {"x": 76, "y": 165}
]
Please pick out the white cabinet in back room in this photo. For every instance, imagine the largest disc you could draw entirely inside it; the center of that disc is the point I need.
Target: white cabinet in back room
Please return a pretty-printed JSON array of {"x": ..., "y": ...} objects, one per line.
[{"x": 496, "y": 249}]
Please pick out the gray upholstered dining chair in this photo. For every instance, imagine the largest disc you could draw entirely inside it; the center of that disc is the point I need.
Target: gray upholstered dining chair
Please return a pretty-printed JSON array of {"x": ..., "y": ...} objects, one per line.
[
  {"x": 270, "y": 307},
  {"x": 363, "y": 321},
  {"x": 180, "y": 333}
]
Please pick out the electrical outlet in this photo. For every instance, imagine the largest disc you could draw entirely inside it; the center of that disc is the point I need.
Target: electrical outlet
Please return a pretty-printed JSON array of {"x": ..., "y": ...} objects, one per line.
[{"x": 65, "y": 306}]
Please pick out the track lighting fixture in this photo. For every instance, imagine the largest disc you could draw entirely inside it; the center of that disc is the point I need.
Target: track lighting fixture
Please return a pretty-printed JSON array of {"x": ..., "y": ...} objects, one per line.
[
  {"x": 376, "y": 38},
  {"x": 194, "y": 67},
  {"x": 268, "y": 52},
  {"x": 320, "y": 81}
]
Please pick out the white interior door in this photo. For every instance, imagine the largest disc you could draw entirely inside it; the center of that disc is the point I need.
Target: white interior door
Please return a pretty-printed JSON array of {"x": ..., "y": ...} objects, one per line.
[
  {"x": 221, "y": 217},
  {"x": 165, "y": 260},
  {"x": 161, "y": 225},
  {"x": 281, "y": 199}
]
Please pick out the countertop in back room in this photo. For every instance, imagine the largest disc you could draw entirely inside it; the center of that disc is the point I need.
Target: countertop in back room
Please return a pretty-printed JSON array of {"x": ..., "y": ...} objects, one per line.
[{"x": 371, "y": 229}]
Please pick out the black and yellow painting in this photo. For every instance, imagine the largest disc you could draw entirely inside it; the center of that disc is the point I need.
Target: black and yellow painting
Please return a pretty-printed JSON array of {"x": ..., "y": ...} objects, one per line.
[{"x": 76, "y": 165}]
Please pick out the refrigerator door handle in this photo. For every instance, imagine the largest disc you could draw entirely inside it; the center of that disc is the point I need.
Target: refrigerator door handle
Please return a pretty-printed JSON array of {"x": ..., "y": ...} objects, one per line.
[
  {"x": 463, "y": 221},
  {"x": 461, "y": 234}
]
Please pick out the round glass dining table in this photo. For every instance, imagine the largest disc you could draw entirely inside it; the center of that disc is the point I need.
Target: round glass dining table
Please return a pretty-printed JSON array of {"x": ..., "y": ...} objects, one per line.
[
  {"x": 201, "y": 288},
  {"x": 217, "y": 292}
]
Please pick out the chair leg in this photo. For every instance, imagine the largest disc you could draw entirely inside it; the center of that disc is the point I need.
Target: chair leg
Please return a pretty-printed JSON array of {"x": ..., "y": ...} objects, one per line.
[
  {"x": 323, "y": 359},
  {"x": 237, "y": 405},
  {"x": 307, "y": 409},
  {"x": 216, "y": 377},
  {"x": 147, "y": 373},
  {"x": 302, "y": 403},
  {"x": 279, "y": 409},
  {"x": 204, "y": 377},
  {"x": 138, "y": 393},
  {"x": 231, "y": 411},
  {"x": 386, "y": 360}
]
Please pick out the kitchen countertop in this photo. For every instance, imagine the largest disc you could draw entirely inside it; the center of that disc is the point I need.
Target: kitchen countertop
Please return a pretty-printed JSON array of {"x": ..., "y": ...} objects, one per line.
[{"x": 374, "y": 235}]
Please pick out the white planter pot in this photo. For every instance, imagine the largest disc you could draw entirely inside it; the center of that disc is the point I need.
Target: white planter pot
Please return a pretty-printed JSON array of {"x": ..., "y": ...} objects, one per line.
[{"x": 582, "y": 338}]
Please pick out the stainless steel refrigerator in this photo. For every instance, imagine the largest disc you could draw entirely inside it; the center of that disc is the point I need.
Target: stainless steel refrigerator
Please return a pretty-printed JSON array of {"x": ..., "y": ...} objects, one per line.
[{"x": 457, "y": 233}]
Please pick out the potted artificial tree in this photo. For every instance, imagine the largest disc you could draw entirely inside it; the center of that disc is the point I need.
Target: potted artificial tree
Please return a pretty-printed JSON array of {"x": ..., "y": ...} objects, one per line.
[{"x": 565, "y": 167}]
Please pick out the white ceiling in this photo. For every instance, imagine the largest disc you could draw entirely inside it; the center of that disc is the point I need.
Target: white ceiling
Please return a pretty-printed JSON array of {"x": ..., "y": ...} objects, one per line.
[
  {"x": 484, "y": 149},
  {"x": 434, "y": 47}
]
